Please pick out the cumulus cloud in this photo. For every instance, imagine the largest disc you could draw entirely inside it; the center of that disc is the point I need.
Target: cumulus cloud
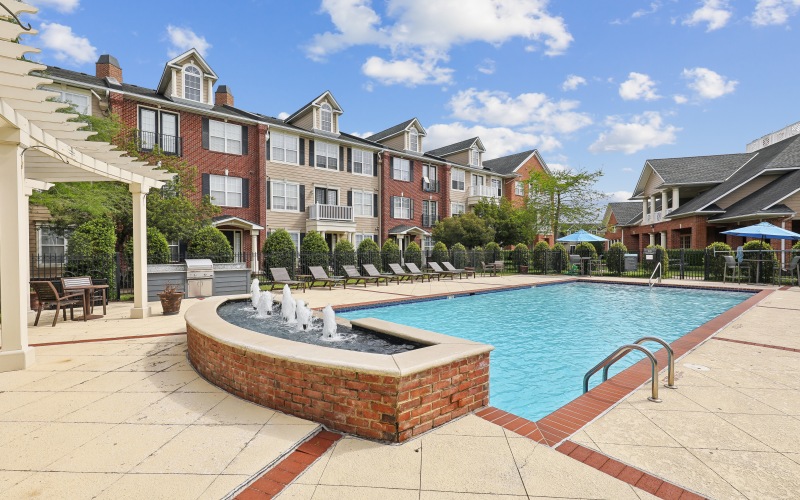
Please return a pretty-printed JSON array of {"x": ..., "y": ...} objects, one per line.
[
  {"x": 642, "y": 131},
  {"x": 183, "y": 39},
  {"x": 499, "y": 141},
  {"x": 535, "y": 111},
  {"x": 708, "y": 84},
  {"x": 638, "y": 86},
  {"x": 63, "y": 6},
  {"x": 410, "y": 72},
  {"x": 487, "y": 66},
  {"x": 774, "y": 12},
  {"x": 680, "y": 99},
  {"x": 714, "y": 13},
  {"x": 651, "y": 9},
  {"x": 573, "y": 82},
  {"x": 619, "y": 196},
  {"x": 66, "y": 45}
]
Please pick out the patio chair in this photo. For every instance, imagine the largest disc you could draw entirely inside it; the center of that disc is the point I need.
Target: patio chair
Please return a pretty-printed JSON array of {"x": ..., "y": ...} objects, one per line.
[
  {"x": 320, "y": 276},
  {"x": 442, "y": 272},
  {"x": 100, "y": 294},
  {"x": 488, "y": 269},
  {"x": 398, "y": 271},
  {"x": 450, "y": 267},
  {"x": 352, "y": 273},
  {"x": 735, "y": 268},
  {"x": 373, "y": 272},
  {"x": 48, "y": 295},
  {"x": 430, "y": 274},
  {"x": 791, "y": 269},
  {"x": 280, "y": 276}
]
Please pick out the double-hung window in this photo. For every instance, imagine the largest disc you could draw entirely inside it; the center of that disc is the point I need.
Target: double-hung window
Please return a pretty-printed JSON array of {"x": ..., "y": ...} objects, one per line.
[
  {"x": 285, "y": 196},
  {"x": 192, "y": 83},
  {"x": 457, "y": 208},
  {"x": 497, "y": 187},
  {"x": 519, "y": 188},
  {"x": 363, "y": 204},
  {"x": 413, "y": 140},
  {"x": 430, "y": 213},
  {"x": 430, "y": 183},
  {"x": 52, "y": 246},
  {"x": 225, "y": 191},
  {"x": 362, "y": 162},
  {"x": 401, "y": 208},
  {"x": 225, "y": 137},
  {"x": 80, "y": 102},
  {"x": 327, "y": 155},
  {"x": 475, "y": 158},
  {"x": 326, "y": 117},
  {"x": 284, "y": 147},
  {"x": 427, "y": 245},
  {"x": 401, "y": 169},
  {"x": 158, "y": 128},
  {"x": 361, "y": 237},
  {"x": 458, "y": 179}
]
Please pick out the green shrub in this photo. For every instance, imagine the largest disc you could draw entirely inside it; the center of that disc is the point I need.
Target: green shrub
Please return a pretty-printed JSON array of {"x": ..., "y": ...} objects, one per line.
[
  {"x": 344, "y": 254},
  {"x": 439, "y": 253},
  {"x": 541, "y": 254},
  {"x": 90, "y": 252},
  {"x": 796, "y": 248},
  {"x": 492, "y": 252},
  {"x": 476, "y": 256},
  {"x": 559, "y": 258},
  {"x": 279, "y": 251},
  {"x": 716, "y": 264},
  {"x": 615, "y": 258},
  {"x": 651, "y": 265},
  {"x": 413, "y": 254},
  {"x": 520, "y": 256},
  {"x": 369, "y": 253},
  {"x": 586, "y": 249},
  {"x": 390, "y": 253},
  {"x": 314, "y": 251},
  {"x": 210, "y": 243},
  {"x": 459, "y": 256},
  {"x": 767, "y": 271},
  {"x": 157, "y": 248}
]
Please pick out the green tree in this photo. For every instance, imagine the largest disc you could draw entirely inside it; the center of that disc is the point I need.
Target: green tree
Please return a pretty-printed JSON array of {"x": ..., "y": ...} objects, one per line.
[
  {"x": 90, "y": 251},
  {"x": 563, "y": 195},
  {"x": 476, "y": 231},
  {"x": 716, "y": 253},
  {"x": 492, "y": 252},
  {"x": 369, "y": 253},
  {"x": 413, "y": 254},
  {"x": 439, "y": 253},
  {"x": 520, "y": 256},
  {"x": 459, "y": 252},
  {"x": 541, "y": 255},
  {"x": 314, "y": 251},
  {"x": 279, "y": 251},
  {"x": 344, "y": 254},
  {"x": 767, "y": 269},
  {"x": 559, "y": 258},
  {"x": 157, "y": 248},
  {"x": 448, "y": 231},
  {"x": 510, "y": 224},
  {"x": 210, "y": 243},
  {"x": 390, "y": 253}
]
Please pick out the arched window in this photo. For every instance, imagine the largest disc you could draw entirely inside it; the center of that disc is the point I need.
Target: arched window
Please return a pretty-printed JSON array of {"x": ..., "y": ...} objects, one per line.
[
  {"x": 192, "y": 83},
  {"x": 327, "y": 117},
  {"x": 413, "y": 140}
]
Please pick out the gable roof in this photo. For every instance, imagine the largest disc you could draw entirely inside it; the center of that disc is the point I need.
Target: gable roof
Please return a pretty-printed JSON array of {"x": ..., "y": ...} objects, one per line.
[
  {"x": 626, "y": 212},
  {"x": 509, "y": 164},
  {"x": 173, "y": 63},
  {"x": 765, "y": 201},
  {"x": 455, "y": 148},
  {"x": 336, "y": 108},
  {"x": 392, "y": 131}
]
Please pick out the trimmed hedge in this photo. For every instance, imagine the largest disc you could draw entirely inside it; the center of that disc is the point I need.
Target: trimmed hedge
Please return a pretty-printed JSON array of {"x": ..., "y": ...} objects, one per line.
[
  {"x": 767, "y": 271},
  {"x": 586, "y": 249},
  {"x": 492, "y": 252},
  {"x": 210, "y": 243},
  {"x": 541, "y": 255},
  {"x": 314, "y": 251},
  {"x": 716, "y": 264},
  {"x": 520, "y": 256},
  {"x": 559, "y": 257},
  {"x": 664, "y": 259},
  {"x": 413, "y": 254},
  {"x": 344, "y": 254},
  {"x": 459, "y": 256},
  {"x": 90, "y": 252},
  {"x": 390, "y": 253},
  {"x": 615, "y": 258},
  {"x": 369, "y": 253},
  {"x": 279, "y": 251},
  {"x": 439, "y": 253},
  {"x": 157, "y": 248}
]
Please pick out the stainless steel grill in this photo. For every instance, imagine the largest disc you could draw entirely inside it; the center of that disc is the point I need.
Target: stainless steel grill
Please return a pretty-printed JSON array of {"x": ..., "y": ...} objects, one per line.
[{"x": 199, "y": 277}]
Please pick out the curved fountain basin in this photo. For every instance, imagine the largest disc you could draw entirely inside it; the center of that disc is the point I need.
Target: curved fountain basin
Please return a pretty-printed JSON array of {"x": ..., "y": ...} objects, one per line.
[{"x": 377, "y": 396}]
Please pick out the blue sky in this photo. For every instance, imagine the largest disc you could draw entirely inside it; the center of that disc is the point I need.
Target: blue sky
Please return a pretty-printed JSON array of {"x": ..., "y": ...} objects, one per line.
[{"x": 591, "y": 84}]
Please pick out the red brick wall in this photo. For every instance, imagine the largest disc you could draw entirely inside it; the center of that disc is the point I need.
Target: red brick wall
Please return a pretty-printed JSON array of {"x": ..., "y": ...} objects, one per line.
[
  {"x": 524, "y": 171},
  {"x": 372, "y": 406}
]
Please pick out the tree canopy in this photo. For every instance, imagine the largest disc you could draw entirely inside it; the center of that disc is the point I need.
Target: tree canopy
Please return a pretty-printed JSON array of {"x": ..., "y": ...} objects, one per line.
[
  {"x": 467, "y": 229},
  {"x": 511, "y": 225},
  {"x": 563, "y": 196}
]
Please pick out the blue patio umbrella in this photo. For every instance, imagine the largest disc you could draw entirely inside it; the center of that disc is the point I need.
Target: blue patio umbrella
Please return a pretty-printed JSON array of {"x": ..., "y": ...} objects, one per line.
[
  {"x": 580, "y": 237},
  {"x": 763, "y": 230}
]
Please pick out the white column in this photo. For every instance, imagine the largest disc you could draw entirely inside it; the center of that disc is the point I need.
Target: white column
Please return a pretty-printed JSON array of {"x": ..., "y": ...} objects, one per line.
[
  {"x": 664, "y": 239},
  {"x": 652, "y": 206},
  {"x": 664, "y": 206},
  {"x": 652, "y": 238},
  {"x": 254, "y": 250},
  {"x": 140, "y": 308},
  {"x": 676, "y": 201},
  {"x": 15, "y": 353},
  {"x": 644, "y": 211}
]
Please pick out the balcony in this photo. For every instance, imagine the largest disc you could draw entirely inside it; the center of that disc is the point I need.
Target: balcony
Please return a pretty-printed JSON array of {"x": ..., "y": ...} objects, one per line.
[
  {"x": 168, "y": 144},
  {"x": 337, "y": 213},
  {"x": 478, "y": 193},
  {"x": 430, "y": 186},
  {"x": 429, "y": 220}
]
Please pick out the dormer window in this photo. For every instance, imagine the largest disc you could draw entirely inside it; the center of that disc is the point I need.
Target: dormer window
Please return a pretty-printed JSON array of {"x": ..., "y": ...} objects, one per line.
[
  {"x": 475, "y": 158},
  {"x": 326, "y": 118},
  {"x": 192, "y": 78},
  {"x": 413, "y": 140}
]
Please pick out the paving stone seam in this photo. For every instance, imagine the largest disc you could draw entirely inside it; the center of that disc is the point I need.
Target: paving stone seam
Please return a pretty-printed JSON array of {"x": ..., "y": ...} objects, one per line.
[
  {"x": 758, "y": 344},
  {"x": 107, "y": 339}
]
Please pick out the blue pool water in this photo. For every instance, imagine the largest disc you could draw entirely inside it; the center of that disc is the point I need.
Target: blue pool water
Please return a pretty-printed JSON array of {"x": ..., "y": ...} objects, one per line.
[{"x": 546, "y": 338}]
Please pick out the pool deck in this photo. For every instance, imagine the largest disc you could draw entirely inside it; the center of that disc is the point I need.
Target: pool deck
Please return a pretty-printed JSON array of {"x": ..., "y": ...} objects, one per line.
[{"x": 129, "y": 418}]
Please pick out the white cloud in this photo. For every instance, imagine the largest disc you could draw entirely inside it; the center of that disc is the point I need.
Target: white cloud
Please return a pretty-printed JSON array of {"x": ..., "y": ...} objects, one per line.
[
  {"x": 363, "y": 134},
  {"x": 769, "y": 12},
  {"x": 283, "y": 115},
  {"x": 627, "y": 169},
  {"x": 535, "y": 111},
  {"x": 653, "y": 8},
  {"x": 573, "y": 82},
  {"x": 183, "y": 39},
  {"x": 638, "y": 86},
  {"x": 486, "y": 67},
  {"x": 680, "y": 99},
  {"x": 66, "y": 45},
  {"x": 642, "y": 131},
  {"x": 708, "y": 84},
  {"x": 715, "y": 13},
  {"x": 410, "y": 72},
  {"x": 619, "y": 196},
  {"x": 499, "y": 141},
  {"x": 63, "y": 6}
]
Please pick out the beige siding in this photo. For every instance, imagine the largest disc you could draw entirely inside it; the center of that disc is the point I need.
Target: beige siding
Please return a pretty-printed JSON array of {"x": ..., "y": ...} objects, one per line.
[
  {"x": 305, "y": 120},
  {"x": 459, "y": 196},
  {"x": 652, "y": 181},
  {"x": 179, "y": 84},
  {"x": 460, "y": 157},
  {"x": 396, "y": 142},
  {"x": 793, "y": 202},
  {"x": 746, "y": 190},
  {"x": 37, "y": 215},
  {"x": 209, "y": 89}
]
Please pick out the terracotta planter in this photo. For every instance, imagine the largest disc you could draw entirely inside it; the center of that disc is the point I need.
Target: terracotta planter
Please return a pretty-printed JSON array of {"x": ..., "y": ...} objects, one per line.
[
  {"x": 34, "y": 301},
  {"x": 171, "y": 302}
]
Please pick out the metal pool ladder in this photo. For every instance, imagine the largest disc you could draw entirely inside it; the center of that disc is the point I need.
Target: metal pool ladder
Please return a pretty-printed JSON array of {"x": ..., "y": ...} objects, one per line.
[
  {"x": 622, "y": 351},
  {"x": 657, "y": 268}
]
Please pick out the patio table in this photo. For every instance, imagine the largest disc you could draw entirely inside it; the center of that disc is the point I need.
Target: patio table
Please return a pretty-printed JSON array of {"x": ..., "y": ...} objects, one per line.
[
  {"x": 88, "y": 293},
  {"x": 757, "y": 263}
]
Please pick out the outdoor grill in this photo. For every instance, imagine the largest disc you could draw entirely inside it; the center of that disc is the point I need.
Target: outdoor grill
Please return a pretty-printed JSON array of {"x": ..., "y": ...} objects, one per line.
[{"x": 199, "y": 277}]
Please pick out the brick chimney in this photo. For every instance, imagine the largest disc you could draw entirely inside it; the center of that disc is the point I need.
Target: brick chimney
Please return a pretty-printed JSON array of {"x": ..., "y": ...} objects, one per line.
[
  {"x": 223, "y": 96},
  {"x": 108, "y": 66}
]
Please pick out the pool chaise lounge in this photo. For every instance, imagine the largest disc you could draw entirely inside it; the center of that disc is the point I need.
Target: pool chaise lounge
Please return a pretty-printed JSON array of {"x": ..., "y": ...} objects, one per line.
[
  {"x": 398, "y": 271},
  {"x": 373, "y": 271},
  {"x": 430, "y": 274},
  {"x": 442, "y": 272},
  {"x": 352, "y": 273},
  {"x": 320, "y": 276},
  {"x": 280, "y": 276}
]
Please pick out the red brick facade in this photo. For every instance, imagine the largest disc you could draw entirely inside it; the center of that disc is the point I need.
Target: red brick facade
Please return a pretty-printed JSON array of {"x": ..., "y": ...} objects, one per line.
[
  {"x": 524, "y": 172},
  {"x": 373, "y": 406}
]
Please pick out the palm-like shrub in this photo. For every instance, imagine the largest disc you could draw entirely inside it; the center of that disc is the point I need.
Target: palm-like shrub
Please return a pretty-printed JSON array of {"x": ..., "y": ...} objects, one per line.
[
  {"x": 314, "y": 251},
  {"x": 767, "y": 268},
  {"x": 210, "y": 243},
  {"x": 344, "y": 254},
  {"x": 413, "y": 254},
  {"x": 369, "y": 253},
  {"x": 559, "y": 258},
  {"x": 390, "y": 253},
  {"x": 439, "y": 253},
  {"x": 716, "y": 264},
  {"x": 459, "y": 255},
  {"x": 541, "y": 256},
  {"x": 615, "y": 258},
  {"x": 279, "y": 251},
  {"x": 520, "y": 256}
]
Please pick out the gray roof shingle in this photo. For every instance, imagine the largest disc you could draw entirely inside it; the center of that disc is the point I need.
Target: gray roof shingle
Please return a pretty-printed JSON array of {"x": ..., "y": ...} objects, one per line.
[
  {"x": 626, "y": 212},
  {"x": 757, "y": 202},
  {"x": 507, "y": 164},
  {"x": 452, "y": 148},
  {"x": 698, "y": 169},
  {"x": 383, "y": 134}
]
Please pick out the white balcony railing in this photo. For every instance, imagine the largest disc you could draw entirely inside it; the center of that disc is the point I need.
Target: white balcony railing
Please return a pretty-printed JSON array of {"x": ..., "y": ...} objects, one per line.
[
  {"x": 483, "y": 191},
  {"x": 330, "y": 212}
]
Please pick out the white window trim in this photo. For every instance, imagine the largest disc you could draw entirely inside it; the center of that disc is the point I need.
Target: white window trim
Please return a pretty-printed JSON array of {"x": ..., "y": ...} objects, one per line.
[
  {"x": 394, "y": 212},
  {"x": 272, "y": 194},
  {"x": 366, "y": 154},
  {"x": 227, "y": 192},
  {"x": 338, "y": 194},
  {"x": 317, "y": 144},
  {"x": 400, "y": 170},
  {"x": 187, "y": 66},
  {"x": 475, "y": 158},
  {"x": 297, "y": 245},
  {"x": 371, "y": 196},
  {"x": 457, "y": 204},
  {"x": 499, "y": 185},
  {"x": 519, "y": 188},
  {"x": 364, "y": 236},
  {"x": 225, "y": 127},
  {"x": 463, "y": 181},
  {"x": 39, "y": 228},
  {"x": 285, "y": 136},
  {"x": 413, "y": 133},
  {"x": 325, "y": 108}
]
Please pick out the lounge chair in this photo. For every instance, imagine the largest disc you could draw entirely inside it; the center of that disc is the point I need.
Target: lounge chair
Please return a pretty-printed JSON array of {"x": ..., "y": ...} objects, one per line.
[
  {"x": 373, "y": 272},
  {"x": 442, "y": 272},
  {"x": 280, "y": 276},
  {"x": 48, "y": 295},
  {"x": 320, "y": 276},
  {"x": 352, "y": 274},
  {"x": 397, "y": 269},
  {"x": 451, "y": 267},
  {"x": 430, "y": 274}
]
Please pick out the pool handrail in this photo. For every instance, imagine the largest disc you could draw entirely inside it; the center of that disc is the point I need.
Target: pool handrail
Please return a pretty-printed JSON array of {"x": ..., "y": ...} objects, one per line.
[
  {"x": 657, "y": 268},
  {"x": 670, "y": 360},
  {"x": 628, "y": 348}
]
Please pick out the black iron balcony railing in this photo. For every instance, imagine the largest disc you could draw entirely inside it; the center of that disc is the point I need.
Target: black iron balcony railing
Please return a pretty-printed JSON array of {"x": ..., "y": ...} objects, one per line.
[
  {"x": 168, "y": 144},
  {"x": 429, "y": 220},
  {"x": 430, "y": 186}
]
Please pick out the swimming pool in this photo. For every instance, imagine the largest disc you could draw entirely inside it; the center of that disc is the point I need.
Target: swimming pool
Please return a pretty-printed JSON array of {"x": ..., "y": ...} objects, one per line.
[{"x": 547, "y": 337}]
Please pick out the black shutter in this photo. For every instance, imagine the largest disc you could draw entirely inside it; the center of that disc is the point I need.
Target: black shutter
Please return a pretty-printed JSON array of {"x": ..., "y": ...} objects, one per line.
[
  {"x": 411, "y": 212},
  {"x": 302, "y": 237},
  {"x": 375, "y": 166},
  {"x": 302, "y": 151},
  {"x": 302, "y": 190},
  {"x": 206, "y": 189},
  {"x": 205, "y": 133},
  {"x": 375, "y": 238},
  {"x": 341, "y": 158},
  {"x": 269, "y": 152},
  {"x": 411, "y": 170},
  {"x": 311, "y": 152},
  {"x": 375, "y": 208},
  {"x": 350, "y": 198},
  {"x": 350, "y": 160},
  {"x": 244, "y": 139},
  {"x": 245, "y": 193},
  {"x": 269, "y": 198}
]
